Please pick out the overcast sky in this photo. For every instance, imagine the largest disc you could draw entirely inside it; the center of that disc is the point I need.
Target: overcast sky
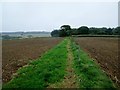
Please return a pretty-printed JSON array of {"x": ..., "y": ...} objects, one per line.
[{"x": 46, "y": 16}]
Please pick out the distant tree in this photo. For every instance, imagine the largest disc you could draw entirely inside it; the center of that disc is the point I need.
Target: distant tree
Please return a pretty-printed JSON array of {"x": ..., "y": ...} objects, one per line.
[
  {"x": 109, "y": 31},
  {"x": 62, "y": 33},
  {"x": 102, "y": 31},
  {"x": 116, "y": 31},
  {"x": 83, "y": 30},
  {"x": 74, "y": 31},
  {"x": 55, "y": 33},
  {"x": 66, "y": 29},
  {"x": 93, "y": 31}
]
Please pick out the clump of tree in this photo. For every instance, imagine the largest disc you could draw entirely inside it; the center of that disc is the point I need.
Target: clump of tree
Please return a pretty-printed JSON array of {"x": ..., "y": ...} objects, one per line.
[
  {"x": 116, "y": 31},
  {"x": 100, "y": 31},
  {"x": 83, "y": 30},
  {"x": 66, "y": 30},
  {"x": 55, "y": 33}
]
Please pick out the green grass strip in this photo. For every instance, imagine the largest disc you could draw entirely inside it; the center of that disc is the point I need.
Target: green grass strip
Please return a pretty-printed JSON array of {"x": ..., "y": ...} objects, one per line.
[
  {"x": 89, "y": 73},
  {"x": 50, "y": 68}
]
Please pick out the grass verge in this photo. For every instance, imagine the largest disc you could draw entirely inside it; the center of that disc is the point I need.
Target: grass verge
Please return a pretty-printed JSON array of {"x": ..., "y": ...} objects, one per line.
[
  {"x": 89, "y": 73},
  {"x": 50, "y": 68}
]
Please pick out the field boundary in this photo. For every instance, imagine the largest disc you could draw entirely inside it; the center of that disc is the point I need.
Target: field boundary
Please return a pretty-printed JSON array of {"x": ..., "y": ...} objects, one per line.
[{"x": 115, "y": 36}]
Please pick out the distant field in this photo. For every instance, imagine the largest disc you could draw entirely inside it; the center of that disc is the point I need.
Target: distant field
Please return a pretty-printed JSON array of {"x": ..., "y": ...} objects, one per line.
[
  {"x": 16, "y": 53},
  {"x": 33, "y": 35},
  {"x": 22, "y": 35},
  {"x": 105, "y": 51}
]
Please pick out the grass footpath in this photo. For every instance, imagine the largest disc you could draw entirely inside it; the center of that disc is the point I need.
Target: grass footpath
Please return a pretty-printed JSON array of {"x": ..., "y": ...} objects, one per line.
[
  {"x": 70, "y": 78},
  {"x": 48, "y": 69},
  {"x": 89, "y": 73}
]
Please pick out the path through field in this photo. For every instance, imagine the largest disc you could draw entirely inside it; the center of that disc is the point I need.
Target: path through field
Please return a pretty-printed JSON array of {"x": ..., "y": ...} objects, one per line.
[
  {"x": 70, "y": 79},
  {"x": 64, "y": 66}
]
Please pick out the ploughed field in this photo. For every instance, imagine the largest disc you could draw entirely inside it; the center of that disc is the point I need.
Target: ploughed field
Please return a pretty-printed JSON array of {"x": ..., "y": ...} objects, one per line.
[
  {"x": 17, "y": 53},
  {"x": 104, "y": 51}
]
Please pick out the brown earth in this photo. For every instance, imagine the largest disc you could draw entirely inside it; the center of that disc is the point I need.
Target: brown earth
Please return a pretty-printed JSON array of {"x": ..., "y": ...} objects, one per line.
[
  {"x": 104, "y": 51},
  {"x": 17, "y": 53}
]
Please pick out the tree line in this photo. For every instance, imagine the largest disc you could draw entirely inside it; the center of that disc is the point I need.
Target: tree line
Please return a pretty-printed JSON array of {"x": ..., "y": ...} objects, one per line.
[{"x": 66, "y": 30}]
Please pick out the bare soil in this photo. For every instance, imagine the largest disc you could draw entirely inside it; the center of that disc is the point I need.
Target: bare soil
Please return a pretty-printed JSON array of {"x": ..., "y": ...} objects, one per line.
[
  {"x": 17, "y": 53},
  {"x": 105, "y": 51}
]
